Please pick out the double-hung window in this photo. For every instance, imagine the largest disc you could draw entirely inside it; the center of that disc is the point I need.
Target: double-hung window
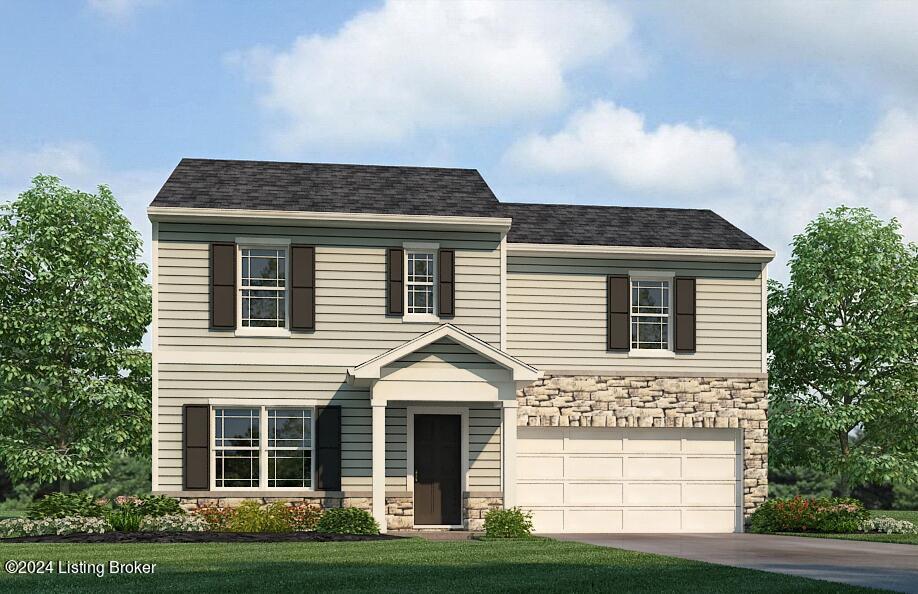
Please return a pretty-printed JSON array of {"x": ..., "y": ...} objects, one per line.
[
  {"x": 650, "y": 314},
  {"x": 263, "y": 447},
  {"x": 420, "y": 282},
  {"x": 263, "y": 288}
]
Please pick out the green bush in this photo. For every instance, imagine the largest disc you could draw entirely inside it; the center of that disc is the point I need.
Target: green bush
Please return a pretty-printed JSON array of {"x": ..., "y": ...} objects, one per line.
[
  {"x": 800, "y": 514},
  {"x": 347, "y": 520},
  {"x": 304, "y": 518},
  {"x": 251, "y": 517},
  {"x": 157, "y": 505},
  {"x": 124, "y": 519},
  {"x": 508, "y": 523},
  {"x": 63, "y": 505}
]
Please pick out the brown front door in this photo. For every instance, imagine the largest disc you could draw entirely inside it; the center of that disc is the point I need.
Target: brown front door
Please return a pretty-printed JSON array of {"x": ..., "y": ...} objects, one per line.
[{"x": 437, "y": 469}]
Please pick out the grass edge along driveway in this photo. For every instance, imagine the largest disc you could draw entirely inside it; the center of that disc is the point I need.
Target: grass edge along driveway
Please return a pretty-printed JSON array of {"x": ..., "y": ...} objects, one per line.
[
  {"x": 394, "y": 566},
  {"x": 912, "y": 539}
]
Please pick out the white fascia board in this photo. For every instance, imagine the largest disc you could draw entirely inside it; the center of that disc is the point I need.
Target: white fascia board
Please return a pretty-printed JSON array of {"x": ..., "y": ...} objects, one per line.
[
  {"x": 643, "y": 253},
  {"x": 323, "y": 219},
  {"x": 372, "y": 369}
]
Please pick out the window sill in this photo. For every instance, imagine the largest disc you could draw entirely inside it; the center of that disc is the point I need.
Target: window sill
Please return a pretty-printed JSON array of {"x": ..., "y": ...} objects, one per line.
[
  {"x": 426, "y": 318},
  {"x": 276, "y": 332},
  {"x": 651, "y": 354}
]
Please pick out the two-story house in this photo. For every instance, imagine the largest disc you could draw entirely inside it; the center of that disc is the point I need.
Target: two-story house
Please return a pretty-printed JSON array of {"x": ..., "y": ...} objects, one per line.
[{"x": 396, "y": 338}]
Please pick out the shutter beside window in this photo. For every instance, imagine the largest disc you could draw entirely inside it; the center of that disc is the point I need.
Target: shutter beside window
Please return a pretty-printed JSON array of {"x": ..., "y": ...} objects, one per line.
[
  {"x": 684, "y": 315},
  {"x": 328, "y": 448},
  {"x": 223, "y": 285},
  {"x": 446, "y": 287},
  {"x": 395, "y": 281},
  {"x": 195, "y": 447},
  {"x": 302, "y": 287},
  {"x": 618, "y": 317}
]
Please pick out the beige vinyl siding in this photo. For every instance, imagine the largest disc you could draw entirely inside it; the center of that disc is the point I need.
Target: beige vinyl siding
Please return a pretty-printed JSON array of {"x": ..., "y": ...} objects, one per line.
[
  {"x": 556, "y": 314},
  {"x": 196, "y": 384},
  {"x": 350, "y": 287}
]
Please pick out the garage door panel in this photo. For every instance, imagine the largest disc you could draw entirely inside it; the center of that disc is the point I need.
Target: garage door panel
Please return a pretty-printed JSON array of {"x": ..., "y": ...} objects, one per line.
[
  {"x": 654, "y": 468},
  {"x": 710, "y": 468},
  {"x": 548, "y": 520},
  {"x": 593, "y": 494},
  {"x": 592, "y": 520},
  {"x": 594, "y": 440},
  {"x": 542, "y": 440},
  {"x": 543, "y": 493},
  {"x": 707, "y": 520},
  {"x": 651, "y": 442},
  {"x": 540, "y": 467},
  {"x": 711, "y": 442},
  {"x": 652, "y": 520},
  {"x": 709, "y": 494},
  {"x": 653, "y": 494},
  {"x": 577, "y": 467}
]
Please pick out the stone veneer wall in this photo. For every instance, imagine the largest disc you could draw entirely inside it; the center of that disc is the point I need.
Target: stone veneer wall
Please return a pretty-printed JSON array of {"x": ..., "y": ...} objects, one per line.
[
  {"x": 477, "y": 505},
  {"x": 642, "y": 401}
]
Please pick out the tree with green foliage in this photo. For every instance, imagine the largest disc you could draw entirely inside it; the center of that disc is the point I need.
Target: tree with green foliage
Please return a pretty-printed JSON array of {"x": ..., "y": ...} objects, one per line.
[
  {"x": 844, "y": 340},
  {"x": 74, "y": 306}
]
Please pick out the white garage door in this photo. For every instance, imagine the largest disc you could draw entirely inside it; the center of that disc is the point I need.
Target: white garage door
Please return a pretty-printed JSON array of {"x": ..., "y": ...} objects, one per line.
[{"x": 585, "y": 479}]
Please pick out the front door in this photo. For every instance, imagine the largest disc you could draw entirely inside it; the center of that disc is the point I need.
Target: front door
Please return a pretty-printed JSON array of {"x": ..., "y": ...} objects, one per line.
[{"x": 437, "y": 470}]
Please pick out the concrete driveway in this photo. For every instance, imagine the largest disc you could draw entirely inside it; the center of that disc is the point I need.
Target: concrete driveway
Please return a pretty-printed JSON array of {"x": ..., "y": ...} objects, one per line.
[{"x": 871, "y": 564}]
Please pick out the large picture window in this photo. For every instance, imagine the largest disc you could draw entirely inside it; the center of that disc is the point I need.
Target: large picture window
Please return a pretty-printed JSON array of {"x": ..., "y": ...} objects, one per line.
[
  {"x": 263, "y": 447},
  {"x": 420, "y": 283},
  {"x": 263, "y": 287},
  {"x": 650, "y": 309}
]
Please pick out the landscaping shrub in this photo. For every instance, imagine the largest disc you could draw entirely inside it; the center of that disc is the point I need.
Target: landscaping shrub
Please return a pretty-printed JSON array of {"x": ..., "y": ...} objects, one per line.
[
  {"x": 217, "y": 518},
  {"x": 799, "y": 514},
  {"x": 174, "y": 523},
  {"x": 68, "y": 525},
  {"x": 62, "y": 505},
  {"x": 251, "y": 517},
  {"x": 508, "y": 523},
  {"x": 152, "y": 505},
  {"x": 888, "y": 525},
  {"x": 304, "y": 518},
  {"x": 124, "y": 519},
  {"x": 347, "y": 520}
]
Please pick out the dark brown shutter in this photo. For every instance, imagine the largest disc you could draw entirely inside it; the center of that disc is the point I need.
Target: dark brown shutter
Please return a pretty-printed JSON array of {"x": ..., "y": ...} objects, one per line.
[
  {"x": 196, "y": 447},
  {"x": 302, "y": 287},
  {"x": 618, "y": 319},
  {"x": 684, "y": 298},
  {"x": 395, "y": 281},
  {"x": 222, "y": 285},
  {"x": 328, "y": 448},
  {"x": 446, "y": 288}
]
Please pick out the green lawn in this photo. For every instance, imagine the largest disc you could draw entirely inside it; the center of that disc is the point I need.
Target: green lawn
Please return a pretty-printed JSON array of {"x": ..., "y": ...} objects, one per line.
[
  {"x": 911, "y": 516},
  {"x": 395, "y": 566}
]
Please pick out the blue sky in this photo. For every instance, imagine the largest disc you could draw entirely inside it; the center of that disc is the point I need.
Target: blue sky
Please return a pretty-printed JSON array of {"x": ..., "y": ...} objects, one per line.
[{"x": 766, "y": 112}]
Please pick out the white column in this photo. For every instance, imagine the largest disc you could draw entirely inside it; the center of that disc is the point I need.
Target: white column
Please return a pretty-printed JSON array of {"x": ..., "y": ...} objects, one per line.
[
  {"x": 379, "y": 465},
  {"x": 508, "y": 436}
]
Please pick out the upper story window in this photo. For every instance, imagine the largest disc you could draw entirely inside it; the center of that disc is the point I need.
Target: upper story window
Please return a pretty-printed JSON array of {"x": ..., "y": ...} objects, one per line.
[
  {"x": 263, "y": 288},
  {"x": 420, "y": 282},
  {"x": 650, "y": 311}
]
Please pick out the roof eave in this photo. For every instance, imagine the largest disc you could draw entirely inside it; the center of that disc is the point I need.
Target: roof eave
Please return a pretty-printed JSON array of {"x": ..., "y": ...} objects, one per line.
[
  {"x": 645, "y": 253},
  {"x": 172, "y": 214}
]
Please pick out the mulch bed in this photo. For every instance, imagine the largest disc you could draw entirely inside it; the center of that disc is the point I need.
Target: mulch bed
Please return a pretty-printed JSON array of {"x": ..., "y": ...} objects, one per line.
[{"x": 168, "y": 537}]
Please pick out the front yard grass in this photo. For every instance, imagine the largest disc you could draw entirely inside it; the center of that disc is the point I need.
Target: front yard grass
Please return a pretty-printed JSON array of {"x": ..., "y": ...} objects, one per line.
[{"x": 394, "y": 566}]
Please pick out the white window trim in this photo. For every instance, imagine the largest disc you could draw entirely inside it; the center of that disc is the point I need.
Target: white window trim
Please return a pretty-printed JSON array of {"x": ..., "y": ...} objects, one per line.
[
  {"x": 262, "y": 444},
  {"x": 262, "y": 244},
  {"x": 667, "y": 353},
  {"x": 421, "y": 248},
  {"x": 463, "y": 413}
]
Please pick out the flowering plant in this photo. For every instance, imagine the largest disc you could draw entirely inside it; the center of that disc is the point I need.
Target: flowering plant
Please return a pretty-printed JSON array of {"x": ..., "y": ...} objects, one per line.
[
  {"x": 67, "y": 525},
  {"x": 175, "y": 523},
  {"x": 888, "y": 525},
  {"x": 801, "y": 514}
]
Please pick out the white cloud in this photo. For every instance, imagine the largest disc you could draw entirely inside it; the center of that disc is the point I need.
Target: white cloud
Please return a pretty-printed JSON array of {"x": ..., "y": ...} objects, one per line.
[
  {"x": 117, "y": 10},
  {"x": 873, "y": 41},
  {"x": 616, "y": 143},
  {"x": 408, "y": 67}
]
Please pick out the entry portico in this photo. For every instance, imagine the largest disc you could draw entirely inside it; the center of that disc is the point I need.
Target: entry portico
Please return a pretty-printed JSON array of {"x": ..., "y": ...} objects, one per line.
[{"x": 441, "y": 379}]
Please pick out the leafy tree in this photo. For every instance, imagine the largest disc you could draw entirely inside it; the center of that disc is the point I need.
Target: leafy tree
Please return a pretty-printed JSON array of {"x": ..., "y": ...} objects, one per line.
[
  {"x": 74, "y": 306},
  {"x": 844, "y": 341}
]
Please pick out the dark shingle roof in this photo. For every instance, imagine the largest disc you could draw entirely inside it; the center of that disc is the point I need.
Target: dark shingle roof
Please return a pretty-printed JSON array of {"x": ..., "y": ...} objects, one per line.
[
  {"x": 319, "y": 187},
  {"x": 624, "y": 226},
  {"x": 376, "y": 189}
]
